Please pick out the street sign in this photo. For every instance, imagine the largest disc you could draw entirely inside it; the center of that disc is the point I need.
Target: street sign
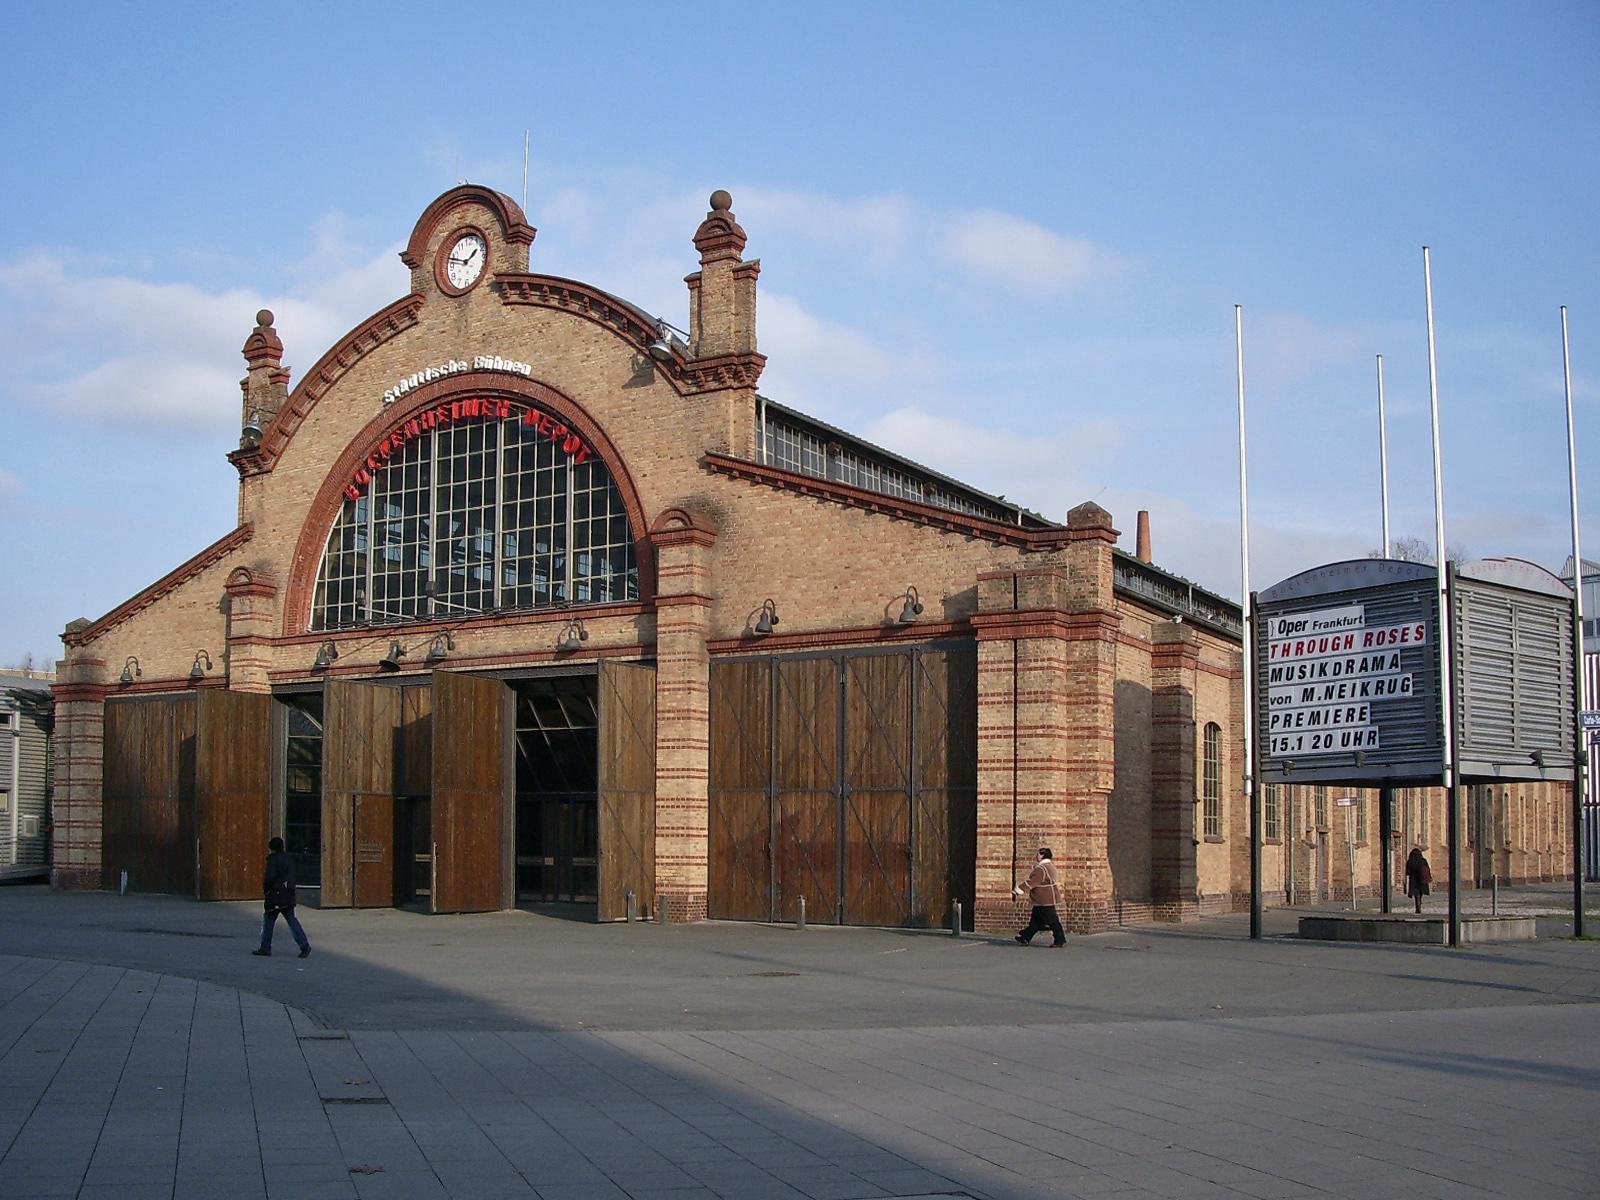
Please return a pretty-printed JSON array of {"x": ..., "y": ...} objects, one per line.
[
  {"x": 1591, "y": 718},
  {"x": 1346, "y": 801}
]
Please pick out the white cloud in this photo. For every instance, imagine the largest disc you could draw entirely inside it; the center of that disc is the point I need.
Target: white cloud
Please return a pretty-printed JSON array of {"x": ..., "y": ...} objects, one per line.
[
  {"x": 10, "y": 483},
  {"x": 1025, "y": 256},
  {"x": 131, "y": 352}
]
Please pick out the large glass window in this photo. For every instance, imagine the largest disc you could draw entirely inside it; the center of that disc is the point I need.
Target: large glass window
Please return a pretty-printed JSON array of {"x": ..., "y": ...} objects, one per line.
[
  {"x": 476, "y": 516},
  {"x": 1272, "y": 818},
  {"x": 1213, "y": 780}
]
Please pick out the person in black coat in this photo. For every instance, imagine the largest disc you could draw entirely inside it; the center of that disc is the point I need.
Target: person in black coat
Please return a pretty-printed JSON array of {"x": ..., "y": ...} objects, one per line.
[
  {"x": 1419, "y": 876},
  {"x": 278, "y": 888}
]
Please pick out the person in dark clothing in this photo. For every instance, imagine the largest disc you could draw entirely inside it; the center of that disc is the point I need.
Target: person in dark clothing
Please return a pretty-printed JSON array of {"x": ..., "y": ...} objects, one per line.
[
  {"x": 1040, "y": 889},
  {"x": 1419, "y": 876},
  {"x": 278, "y": 887}
]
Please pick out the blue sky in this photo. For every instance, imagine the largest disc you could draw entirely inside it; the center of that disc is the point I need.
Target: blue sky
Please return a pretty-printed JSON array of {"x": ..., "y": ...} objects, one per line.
[{"x": 1005, "y": 240}]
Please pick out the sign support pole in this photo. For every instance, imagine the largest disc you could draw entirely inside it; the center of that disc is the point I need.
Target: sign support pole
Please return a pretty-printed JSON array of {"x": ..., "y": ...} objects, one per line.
[
  {"x": 1247, "y": 643},
  {"x": 1451, "y": 778},
  {"x": 1383, "y": 458},
  {"x": 1386, "y": 846},
  {"x": 1579, "y": 734}
]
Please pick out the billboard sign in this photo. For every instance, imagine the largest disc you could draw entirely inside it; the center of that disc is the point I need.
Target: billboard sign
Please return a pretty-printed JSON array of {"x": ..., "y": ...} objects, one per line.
[{"x": 1347, "y": 661}]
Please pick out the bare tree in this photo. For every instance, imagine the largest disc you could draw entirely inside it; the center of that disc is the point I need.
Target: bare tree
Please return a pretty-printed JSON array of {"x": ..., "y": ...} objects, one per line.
[{"x": 1410, "y": 548}]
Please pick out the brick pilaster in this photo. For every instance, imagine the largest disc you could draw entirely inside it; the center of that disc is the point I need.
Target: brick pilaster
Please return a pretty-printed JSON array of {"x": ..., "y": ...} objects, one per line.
[
  {"x": 252, "y": 612},
  {"x": 75, "y": 804},
  {"x": 1174, "y": 666},
  {"x": 1046, "y": 727},
  {"x": 682, "y": 544}
]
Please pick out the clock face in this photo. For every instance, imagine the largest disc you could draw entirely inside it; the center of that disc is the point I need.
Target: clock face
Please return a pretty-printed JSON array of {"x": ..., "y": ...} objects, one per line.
[{"x": 465, "y": 260}]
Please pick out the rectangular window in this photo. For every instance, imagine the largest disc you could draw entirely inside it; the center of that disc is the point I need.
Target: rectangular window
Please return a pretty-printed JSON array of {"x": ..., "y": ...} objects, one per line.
[
  {"x": 1319, "y": 800},
  {"x": 1361, "y": 820},
  {"x": 1213, "y": 781},
  {"x": 1272, "y": 818}
]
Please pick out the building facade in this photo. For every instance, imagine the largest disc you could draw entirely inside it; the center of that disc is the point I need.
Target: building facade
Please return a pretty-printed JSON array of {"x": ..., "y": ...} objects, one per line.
[
  {"x": 530, "y": 599},
  {"x": 25, "y": 766}
]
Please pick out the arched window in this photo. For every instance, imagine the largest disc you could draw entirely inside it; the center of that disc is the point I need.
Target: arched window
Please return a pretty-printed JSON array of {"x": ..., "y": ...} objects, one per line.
[
  {"x": 1213, "y": 780},
  {"x": 475, "y": 506}
]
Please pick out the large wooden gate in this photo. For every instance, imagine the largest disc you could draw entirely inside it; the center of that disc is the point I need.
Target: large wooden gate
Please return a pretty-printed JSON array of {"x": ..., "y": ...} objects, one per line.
[
  {"x": 360, "y": 721},
  {"x": 471, "y": 793},
  {"x": 233, "y": 793},
  {"x": 849, "y": 779},
  {"x": 627, "y": 787},
  {"x": 147, "y": 799}
]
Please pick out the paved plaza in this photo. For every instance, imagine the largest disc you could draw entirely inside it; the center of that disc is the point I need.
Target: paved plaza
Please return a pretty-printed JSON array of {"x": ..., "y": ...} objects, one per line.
[{"x": 145, "y": 1053}]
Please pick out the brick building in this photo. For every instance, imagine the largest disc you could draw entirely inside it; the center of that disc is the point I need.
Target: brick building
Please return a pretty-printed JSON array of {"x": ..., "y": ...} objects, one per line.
[{"x": 531, "y": 599}]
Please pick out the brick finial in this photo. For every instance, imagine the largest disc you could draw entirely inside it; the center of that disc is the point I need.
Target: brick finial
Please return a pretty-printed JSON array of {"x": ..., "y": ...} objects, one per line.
[
  {"x": 1092, "y": 521},
  {"x": 263, "y": 348},
  {"x": 720, "y": 236}
]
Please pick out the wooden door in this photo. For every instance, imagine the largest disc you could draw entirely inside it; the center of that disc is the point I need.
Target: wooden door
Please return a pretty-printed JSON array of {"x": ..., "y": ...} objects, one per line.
[
  {"x": 376, "y": 872},
  {"x": 147, "y": 798},
  {"x": 627, "y": 788},
  {"x": 806, "y": 789},
  {"x": 877, "y": 789},
  {"x": 233, "y": 793},
  {"x": 470, "y": 792},
  {"x": 945, "y": 785},
  {"x": 359, "y": 724},
  {"x": 740, "y": 818}
]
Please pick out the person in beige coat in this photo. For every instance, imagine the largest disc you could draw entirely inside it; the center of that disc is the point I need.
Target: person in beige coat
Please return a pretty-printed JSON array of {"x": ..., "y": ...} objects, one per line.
[{"x": 1042, "y": 891}]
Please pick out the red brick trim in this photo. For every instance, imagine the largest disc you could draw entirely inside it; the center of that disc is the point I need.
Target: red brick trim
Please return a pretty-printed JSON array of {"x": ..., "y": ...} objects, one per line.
[
  {"x": 356, "y": 345},
  {"x": 208, "y": 557},
  {"x": 79, "y": 693},
  {"x": 1041, "y": 623},
  {"x": 723, "y": 371},
  {"x": 893, "y": 506},
  {"x": 513, "y": 221},
  {"x": 684, "y": 599},
  {"x": 921, "y": 631},
  {"x": 681, "y": 527},
  {"x": 330, "y": 496},
  {"x": 463, "y": 662}
]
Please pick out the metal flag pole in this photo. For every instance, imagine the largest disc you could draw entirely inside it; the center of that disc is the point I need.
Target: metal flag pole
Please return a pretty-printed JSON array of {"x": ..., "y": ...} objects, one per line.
[
  {"x": 1383, "y": 459},
  {"x": 1579, "y": 736},
  {"x": 1451, "y": 777},
  {"x": 524, "y": 170},
  {"x": 1247, "y": 642}
]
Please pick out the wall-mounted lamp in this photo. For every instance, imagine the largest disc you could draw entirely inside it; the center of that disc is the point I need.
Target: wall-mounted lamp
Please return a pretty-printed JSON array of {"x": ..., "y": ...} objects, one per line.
[
  {"x": 197, "y": 672},
  {"x": 129, "y": 670},
  {"x": 391, "y": 660},
  {"x": 252, "y": 432},
  {"x": 326, "y": 653},
  {"x": 573, "y": 636},
  {"x": 662, "y": 348},
  {"x": 913, "y": 607},
  {"x": 766, "y": 619},
  {"x": 441, "y": 644}
]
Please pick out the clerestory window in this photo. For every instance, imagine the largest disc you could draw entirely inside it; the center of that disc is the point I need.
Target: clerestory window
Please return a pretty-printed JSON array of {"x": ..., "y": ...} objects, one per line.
[{"x": 475, "y": 506}]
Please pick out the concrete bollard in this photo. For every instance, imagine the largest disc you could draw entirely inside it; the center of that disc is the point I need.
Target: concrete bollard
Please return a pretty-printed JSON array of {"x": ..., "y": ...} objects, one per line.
[
  {"x": 955, "y": 918},
  {"x": 661, "y": 909},
  {"x": 633, "y": 907},
  {"x": 122, "y": 886},
  {"x": 800, "y": 920},
  {"x": 1494, "y": 895}
]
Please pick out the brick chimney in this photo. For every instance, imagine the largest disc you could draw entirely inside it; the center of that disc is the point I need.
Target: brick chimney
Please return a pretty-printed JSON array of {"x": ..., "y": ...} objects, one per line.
[{"x": 1142, "y": 537}]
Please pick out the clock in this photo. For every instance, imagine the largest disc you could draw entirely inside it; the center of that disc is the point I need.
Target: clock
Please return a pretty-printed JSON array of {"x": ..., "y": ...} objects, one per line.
[{"x": 463, "y": 261}]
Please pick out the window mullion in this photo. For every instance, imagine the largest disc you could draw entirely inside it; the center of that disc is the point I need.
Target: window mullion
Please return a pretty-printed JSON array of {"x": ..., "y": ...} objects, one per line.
[
  {"x": 569, "y": 583},
  {"x": 497, "y": 508}
]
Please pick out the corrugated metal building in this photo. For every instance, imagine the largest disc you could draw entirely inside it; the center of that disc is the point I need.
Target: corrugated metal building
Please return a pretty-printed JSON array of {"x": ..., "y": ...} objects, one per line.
[{"x": 26, "y": 720}]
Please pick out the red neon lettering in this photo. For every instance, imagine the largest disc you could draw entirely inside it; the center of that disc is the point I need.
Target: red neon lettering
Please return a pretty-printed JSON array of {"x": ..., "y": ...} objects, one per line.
[
  {"x": 373, "y": 464},
  {"x": 385, "y": 448},
  {"x": 503, "y": 409},
  {"x": 545, "y": 423},
  {"x": 581, "y": 456},
  {"x": 572, "y": 443},
  {"x": 363, "y": 476},
  {"x": 413, "y": 429},
  {"x": 352, "y": 492}
]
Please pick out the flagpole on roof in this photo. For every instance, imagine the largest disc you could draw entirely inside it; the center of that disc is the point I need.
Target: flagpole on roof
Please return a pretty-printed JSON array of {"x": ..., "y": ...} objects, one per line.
[{"x": 1383, "y": 459}]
